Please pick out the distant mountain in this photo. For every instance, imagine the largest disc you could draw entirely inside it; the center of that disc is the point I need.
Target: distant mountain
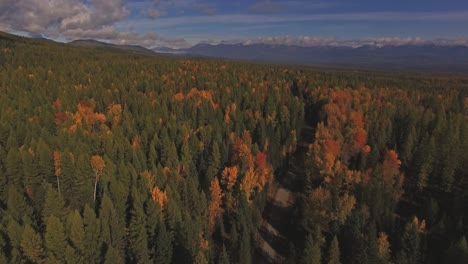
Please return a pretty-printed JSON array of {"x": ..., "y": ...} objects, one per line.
[
  {"x": 427, "y": 57},
  {"x": 418, "y": 57},
  {"x": 169, "y": 50},
  {"x": 99, "y": 44}
]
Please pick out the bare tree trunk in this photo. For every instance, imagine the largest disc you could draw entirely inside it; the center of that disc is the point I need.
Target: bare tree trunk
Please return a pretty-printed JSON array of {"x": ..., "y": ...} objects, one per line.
[
  {"x": 95, "y": 187},
  {"x": 58, "y": 185}
]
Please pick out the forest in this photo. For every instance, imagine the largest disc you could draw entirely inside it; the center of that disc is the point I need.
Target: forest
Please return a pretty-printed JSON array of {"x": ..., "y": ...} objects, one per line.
[{"x": 109, "y": 156}]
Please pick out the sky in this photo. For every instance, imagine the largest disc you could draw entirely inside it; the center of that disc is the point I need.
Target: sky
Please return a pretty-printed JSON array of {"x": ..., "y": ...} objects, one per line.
[{"x": 183, "y": 23}]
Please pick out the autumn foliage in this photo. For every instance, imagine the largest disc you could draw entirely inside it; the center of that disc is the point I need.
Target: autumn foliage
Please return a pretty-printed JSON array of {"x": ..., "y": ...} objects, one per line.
[
  {"x": 214, "y": 207},
  {"x": 57, "y": 163},
  {"x": 188, "y": 157},
  {"x": 97, "y": 164},
  {"x": 229, "y": 177},
  {"x": 159, "y": 196}
]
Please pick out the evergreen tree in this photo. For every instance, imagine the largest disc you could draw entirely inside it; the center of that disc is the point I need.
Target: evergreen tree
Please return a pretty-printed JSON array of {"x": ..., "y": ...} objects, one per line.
[
  {"x": 312, "y": 252},
  {"x": 92, "y": 232},
  {"x": 55, "y": 240},
  {"x": 163, "y": 245},
  {"x": 111, "y": 224},
  {"x": 214, "y": 164},
  {"x": 17, "y": 205},
  {"x": 334, "y": 252},
  {"x": 372, "y": 245},
  {"x": 14, "y": 167},
  {"x": 137, "y": 236},
  {"x": 53, "y": 205},
  {"x": 31, "y": 245},
  {"x": 245, "y": 255},
  {"x": 14, "y": 232},
  {"x": 411, "y": 242},
  {"x": 113, "y": 256},
  {"x": 77, "y": 237},
  {"x": 71, "y": 256}
]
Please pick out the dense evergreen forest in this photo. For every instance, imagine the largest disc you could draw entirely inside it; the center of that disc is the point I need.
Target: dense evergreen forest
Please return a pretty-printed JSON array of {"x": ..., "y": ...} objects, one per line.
[{"x": 117, "y": 157}]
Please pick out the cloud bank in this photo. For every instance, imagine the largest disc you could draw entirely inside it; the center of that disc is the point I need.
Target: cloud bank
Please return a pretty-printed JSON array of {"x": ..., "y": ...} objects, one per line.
[
  {"x": 74, "y": 19},
  {"x": 311, "y": 41}
]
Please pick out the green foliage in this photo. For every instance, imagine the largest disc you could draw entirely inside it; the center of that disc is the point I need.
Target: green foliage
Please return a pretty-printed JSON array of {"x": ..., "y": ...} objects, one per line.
[
  {"x": 55, "y": 240},
  {"x": 54, "y": 205},
  {"x": 334, "y": 252},
  {"x": 312, "y": 252},
  {"x": 163, "y": 245},
  {"x": 379, "y": 148},
  {"x": 32, "y": 245}
]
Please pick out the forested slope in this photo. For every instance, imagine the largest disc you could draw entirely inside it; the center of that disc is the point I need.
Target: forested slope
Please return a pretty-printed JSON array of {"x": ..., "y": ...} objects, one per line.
[{"x": 114, "y": 157}]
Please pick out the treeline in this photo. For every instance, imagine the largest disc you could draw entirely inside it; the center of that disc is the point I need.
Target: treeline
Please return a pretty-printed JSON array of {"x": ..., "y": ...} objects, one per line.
[{"x": 109, "y": 157}]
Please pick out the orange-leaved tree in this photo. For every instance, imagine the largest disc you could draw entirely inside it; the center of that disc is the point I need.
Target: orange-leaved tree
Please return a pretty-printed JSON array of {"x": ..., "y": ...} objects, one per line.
[{"x": 214, "y": 208}]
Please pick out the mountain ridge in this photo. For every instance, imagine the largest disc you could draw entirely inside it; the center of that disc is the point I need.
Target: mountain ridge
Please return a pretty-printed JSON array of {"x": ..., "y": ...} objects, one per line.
[
  {"x": 100, "y": 44},
  {"x": 420, "y": 57},
  {"x": 428, "y": 57}
]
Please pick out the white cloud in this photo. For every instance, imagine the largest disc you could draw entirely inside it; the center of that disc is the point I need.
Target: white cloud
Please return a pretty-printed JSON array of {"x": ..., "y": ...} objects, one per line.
[
  {"x": 38, "y": 16},
  {"x": 310, "y": 41},
  {"x": 74, "y": 19}
]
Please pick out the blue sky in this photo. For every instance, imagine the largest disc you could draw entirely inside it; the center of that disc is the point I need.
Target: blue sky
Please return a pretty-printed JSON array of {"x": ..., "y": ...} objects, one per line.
[
  {"x": 341, "y": 19},
  {"x": 181, "y": 23}
]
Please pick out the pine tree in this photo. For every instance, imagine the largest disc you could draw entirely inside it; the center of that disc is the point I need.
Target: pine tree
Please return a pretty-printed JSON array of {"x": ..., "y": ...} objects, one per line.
[
  {"x": 31, "y": 245},
  {"x": 14, "y": 233},
  {"x": 312, "y": 252},
  {"x": 71, "y": 256},
  {"x": 32, "y": 180},
  {"x": 113, "y": 256},
  {"x": 334, "y": 252},
  {"x": 245, "y": 255},
  {"x": 137, "y": 236},
  {"x": 54, "y": 205},
  {"x": 92, "y": 232},
  {"x": 372, "y": 246},
  {"x": 81, "y": 186},
  {"x": 14, "y": 167},
  {"x": 111, "y": 222},
  {"x": 55, "y": 240},
  {"x": 77, "y": 236},
  {"x": 411, "y": 244},
  {"x": 214, "y": 163},
  {"x": 17, "y": 205},
  {"x": 163, "y": 245}
]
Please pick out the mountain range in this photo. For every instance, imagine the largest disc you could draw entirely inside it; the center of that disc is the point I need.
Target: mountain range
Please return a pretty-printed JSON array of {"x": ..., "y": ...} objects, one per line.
[{"x": 426, "y": 57}]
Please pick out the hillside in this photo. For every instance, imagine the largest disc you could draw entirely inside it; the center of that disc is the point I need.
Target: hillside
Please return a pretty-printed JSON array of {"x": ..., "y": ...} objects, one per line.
[
  {"x": 97, "y": 44},
  {"x": 115, "y": 156}
]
